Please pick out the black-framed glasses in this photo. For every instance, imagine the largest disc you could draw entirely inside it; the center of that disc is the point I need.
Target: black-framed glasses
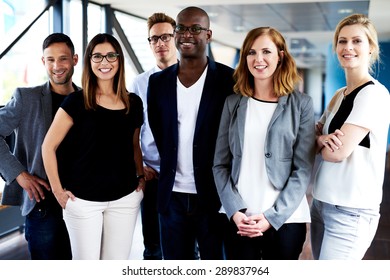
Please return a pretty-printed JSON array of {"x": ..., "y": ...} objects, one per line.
[
  {"x": 110, "y": 57},
  {"x": 194, "y": 29},
  {"x": 163, "y": 37}
]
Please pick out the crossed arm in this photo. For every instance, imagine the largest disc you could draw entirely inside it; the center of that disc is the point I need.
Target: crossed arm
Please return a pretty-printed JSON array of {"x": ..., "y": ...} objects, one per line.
[{"x": 340, "y": 144}]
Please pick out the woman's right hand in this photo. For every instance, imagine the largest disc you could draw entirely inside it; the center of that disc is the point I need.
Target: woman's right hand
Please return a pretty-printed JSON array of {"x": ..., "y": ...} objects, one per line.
[{"x": 62, "y": 197}]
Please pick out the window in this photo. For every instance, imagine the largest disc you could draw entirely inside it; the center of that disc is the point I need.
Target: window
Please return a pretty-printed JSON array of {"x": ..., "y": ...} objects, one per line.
[{"x": 21, "y": 66}]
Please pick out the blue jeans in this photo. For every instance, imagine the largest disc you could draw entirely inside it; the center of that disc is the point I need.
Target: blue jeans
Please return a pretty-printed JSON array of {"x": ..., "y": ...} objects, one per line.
[
  {"x": 150, "y": 222},
  {"x": 341, "y": 233},
  {"x": 184, "y": 224},
  {"x": 46, "y": 233}
]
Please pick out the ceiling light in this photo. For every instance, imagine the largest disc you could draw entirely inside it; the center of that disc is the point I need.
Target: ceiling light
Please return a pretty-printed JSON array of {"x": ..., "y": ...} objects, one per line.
[{"x": 345, "y": 11}]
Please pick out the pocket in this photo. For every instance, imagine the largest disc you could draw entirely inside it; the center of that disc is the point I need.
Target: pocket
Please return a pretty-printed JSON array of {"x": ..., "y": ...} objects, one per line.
[
  {"x": 353, "y": 212},
  {"x": 66, "y": 204}
]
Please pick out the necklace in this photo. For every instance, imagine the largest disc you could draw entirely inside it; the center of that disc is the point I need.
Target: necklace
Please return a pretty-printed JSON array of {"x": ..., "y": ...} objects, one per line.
[{"x": 345, "y": 93}]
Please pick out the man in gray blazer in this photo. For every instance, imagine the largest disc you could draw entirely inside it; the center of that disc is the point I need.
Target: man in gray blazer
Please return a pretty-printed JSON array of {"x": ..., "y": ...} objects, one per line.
[{"x": 29, "y": 114}]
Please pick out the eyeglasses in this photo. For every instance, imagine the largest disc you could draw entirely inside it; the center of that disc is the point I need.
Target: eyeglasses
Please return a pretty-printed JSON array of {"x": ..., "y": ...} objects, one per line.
[
  {"x": 110, "y": 57},
  {"x": 194, "y": 30},
  {"x": 164, "y": 38}
]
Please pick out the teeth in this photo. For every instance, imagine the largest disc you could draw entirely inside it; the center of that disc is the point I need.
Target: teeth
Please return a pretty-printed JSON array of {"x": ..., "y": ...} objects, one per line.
[
  {"x": 105, "y": 70},
  {"x": 349, "y": 55},
  {"x": 260, "y": 67}
]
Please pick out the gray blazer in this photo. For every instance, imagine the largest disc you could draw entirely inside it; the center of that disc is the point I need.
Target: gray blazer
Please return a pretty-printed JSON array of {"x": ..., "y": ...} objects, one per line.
[
  {"x": 289, "y": 154},
  {"x": 29, "y": 115}
]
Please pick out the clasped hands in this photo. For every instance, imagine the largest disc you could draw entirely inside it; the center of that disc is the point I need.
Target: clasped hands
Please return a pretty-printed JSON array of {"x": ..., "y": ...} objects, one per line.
[{"x": 251, "y": 226}]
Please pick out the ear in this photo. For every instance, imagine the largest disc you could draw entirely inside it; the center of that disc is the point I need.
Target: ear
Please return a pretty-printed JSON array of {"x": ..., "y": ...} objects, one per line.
[
  {"x": 281, "y": 55},
  {"x": 209, "y": 35},
  {"x": 75, "y": 59},
  {"x": 43, "y": 60}
]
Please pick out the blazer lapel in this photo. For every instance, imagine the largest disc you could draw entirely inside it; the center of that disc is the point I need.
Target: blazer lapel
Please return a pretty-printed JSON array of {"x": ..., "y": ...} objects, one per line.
[
  {"x": 241, "y": 115},
  {"x": 279, "y": 109},
  {"x": 207, "y": 94},
  {"x": 46, "y": 103}
]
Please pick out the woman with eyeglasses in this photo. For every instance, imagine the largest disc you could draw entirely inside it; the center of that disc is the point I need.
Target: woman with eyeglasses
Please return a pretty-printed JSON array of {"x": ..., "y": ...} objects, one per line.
[{"x": 100, "y": 183}]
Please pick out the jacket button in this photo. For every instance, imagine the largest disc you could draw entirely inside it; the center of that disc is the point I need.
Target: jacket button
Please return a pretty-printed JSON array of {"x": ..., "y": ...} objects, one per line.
[{"x": 268, "y": 155}]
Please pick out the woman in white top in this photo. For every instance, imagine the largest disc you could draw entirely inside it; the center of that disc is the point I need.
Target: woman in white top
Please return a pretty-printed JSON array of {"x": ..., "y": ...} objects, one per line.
[
  {"x": 352, "y": 141},
  {"x": 264, "y": 153}
]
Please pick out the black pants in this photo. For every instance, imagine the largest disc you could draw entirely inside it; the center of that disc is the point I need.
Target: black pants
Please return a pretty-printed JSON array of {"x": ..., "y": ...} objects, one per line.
[
  {"x": 150, "y": 222},
  {"x": 283, "y": 244}
]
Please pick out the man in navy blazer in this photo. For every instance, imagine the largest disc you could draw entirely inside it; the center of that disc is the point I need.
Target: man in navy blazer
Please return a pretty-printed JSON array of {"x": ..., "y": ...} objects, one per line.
[
  {"x": 29, "y": 114},
  {"x": 185, "y": 102}
]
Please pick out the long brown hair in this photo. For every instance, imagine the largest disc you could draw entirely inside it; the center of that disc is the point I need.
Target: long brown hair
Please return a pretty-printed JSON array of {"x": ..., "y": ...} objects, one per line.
[
  {"x": 89, "y": 80},
  {"x": 286, "y": 75}
]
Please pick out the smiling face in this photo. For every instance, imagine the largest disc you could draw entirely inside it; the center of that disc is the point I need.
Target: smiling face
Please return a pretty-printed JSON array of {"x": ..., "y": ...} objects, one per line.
[
  {"x": 192, "y": 45},
  {"x": 353, "y": 48},
  {"x": 59, "y": 63},
  {"x": 104, "y": 70},
  {"x": 262, "y": 58}
]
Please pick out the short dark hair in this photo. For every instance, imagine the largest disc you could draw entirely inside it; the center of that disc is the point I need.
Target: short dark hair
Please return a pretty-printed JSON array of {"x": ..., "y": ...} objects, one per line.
[{"x": 58, "y": 38}]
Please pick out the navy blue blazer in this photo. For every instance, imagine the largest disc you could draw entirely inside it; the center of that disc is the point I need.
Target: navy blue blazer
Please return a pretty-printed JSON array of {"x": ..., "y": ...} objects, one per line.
[{"x": 162, "y": 114}]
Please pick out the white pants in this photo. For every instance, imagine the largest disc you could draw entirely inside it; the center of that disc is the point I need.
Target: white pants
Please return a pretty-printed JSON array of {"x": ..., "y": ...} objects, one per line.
[{"x": 102, "y": 230}]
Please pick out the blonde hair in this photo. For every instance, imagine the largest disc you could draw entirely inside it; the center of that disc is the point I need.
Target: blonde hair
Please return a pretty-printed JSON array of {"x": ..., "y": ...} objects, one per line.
[{"x": 369, "y": 29}]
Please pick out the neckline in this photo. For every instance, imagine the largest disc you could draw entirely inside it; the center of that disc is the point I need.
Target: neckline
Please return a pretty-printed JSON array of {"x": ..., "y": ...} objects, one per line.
[
  {"x": 357, "y": 89},
  {"x": 264, "y": 101}
]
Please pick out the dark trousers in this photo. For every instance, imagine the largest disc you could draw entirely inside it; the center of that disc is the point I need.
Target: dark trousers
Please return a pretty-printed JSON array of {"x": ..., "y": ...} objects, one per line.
[
  {"x": 150, "y": 222},
  {"x": 184, "y": 224},
  {"x": 46, "y": 233},
  {"x": 283, "y": 244}
]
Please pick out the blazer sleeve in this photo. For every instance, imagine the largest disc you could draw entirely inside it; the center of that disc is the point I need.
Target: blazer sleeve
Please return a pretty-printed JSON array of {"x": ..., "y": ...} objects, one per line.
[
  {"x": 10, "y": 117},
  {"x": 222, "y": 168}
]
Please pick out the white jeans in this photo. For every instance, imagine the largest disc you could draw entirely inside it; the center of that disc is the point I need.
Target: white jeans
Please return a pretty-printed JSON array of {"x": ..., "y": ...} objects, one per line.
[
  {"x": 341, "y": 233},
  {"x": 102, "y": 230}
]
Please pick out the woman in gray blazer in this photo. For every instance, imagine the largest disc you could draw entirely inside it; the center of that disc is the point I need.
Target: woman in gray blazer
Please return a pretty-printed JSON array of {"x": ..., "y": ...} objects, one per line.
[{"x": 265, "y": 153}]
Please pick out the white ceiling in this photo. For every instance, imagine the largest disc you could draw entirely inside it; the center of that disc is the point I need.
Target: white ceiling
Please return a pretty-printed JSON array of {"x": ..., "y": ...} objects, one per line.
[{"x": 308, "y": 26}]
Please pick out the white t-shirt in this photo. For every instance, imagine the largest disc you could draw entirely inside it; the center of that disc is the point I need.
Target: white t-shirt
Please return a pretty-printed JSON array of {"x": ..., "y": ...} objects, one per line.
[
  {"x": 357, "y": 181},
  {"x": 253, "y": 184},
  {"x": 188, "y": 100}
]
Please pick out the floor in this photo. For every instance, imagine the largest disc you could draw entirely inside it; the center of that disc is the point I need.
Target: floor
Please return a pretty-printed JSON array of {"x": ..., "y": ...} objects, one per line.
[{"x": 14, "y": 246}]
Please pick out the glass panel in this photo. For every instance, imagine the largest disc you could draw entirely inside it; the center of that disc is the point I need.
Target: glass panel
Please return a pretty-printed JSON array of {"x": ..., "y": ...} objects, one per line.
[
  {"x": 136, "y": 32},
  {"x": 73, "y": 15},
  {"x": 223, "y": 54},
  {"x": 22, "y": 65}
]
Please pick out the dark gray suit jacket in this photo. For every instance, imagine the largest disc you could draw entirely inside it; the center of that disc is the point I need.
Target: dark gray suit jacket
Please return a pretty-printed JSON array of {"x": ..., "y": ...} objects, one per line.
[
  {"x": 288, "y": 153},
  {"x": 29, "y": 115}
]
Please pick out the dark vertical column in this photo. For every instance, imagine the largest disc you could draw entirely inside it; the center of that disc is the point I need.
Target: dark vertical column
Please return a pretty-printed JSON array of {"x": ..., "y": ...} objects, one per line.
[{"x": 58, "y": 23}]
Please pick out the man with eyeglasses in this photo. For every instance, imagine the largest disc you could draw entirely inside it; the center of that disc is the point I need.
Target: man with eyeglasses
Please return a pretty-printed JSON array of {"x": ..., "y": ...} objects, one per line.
[
  {"x": 185, "y": 103},
  {"x": 160, "y": 31},
  {"x": 29, "y": 114}
]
